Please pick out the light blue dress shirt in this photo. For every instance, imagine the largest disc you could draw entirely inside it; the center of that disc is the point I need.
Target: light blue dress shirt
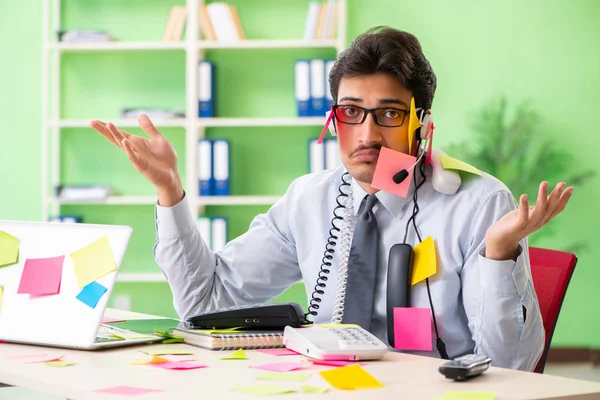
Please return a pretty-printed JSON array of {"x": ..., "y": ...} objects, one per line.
[{"x": 479, "y": 303}]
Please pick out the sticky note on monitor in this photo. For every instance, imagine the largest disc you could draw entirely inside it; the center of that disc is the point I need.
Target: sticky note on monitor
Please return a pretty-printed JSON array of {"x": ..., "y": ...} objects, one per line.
[
  {"x": 91, "y": 294},
  {"x": 93, "y": 262},
  {"x": 424, "y": 261},
  {"x": 9, "y": 249},
  {"x": 389, "y": 163},
  {"x": 41, "y": 276},
  {"x": 412, "y": 329}
]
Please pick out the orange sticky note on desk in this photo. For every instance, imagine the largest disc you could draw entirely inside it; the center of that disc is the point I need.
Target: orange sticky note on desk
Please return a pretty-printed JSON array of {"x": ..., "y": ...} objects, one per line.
[
  {"x": 424, "y": 261},
  {"x": 352, "y": 377},
  {"x": 389, "y": 163},
  {"x": 412, "y": 329},
  {"x": 93, "y": 262},
  {"x": 9, "y": 249}
]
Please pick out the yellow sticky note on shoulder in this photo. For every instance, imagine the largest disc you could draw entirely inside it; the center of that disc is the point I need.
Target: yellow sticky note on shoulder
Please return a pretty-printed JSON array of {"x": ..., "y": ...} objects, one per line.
[
  {"x": 93, "y": 262},
  {"x": 424, "y": 261},
  {"x": 352, "y": 377},
  {"x": 452, "y": 163}
]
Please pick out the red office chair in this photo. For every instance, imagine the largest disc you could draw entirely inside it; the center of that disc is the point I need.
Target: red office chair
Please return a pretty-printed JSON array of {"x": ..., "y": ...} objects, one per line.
[{"x": 551, "y": 271}]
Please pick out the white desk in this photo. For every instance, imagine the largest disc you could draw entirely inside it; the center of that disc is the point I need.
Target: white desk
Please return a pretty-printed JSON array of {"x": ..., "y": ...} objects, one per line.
[{"x": 404, "y": 376}]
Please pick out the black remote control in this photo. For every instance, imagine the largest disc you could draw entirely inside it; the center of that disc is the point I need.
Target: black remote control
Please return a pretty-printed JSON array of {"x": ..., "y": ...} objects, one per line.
[{"x": 465, "y": 367}]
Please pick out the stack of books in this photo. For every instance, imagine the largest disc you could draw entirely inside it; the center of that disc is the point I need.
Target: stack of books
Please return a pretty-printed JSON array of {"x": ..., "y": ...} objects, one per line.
[
  {"x": 230, "y": 340},
  {"x": 221, "y": 22},
  {"x": 313, "y": 97},
  {"x": 213, "y": 167},
  {"x": 321, "y": 20}
]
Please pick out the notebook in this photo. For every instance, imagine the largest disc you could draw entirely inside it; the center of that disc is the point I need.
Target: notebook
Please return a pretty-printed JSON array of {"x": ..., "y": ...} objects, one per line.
[{"x": 230, "y": 339}]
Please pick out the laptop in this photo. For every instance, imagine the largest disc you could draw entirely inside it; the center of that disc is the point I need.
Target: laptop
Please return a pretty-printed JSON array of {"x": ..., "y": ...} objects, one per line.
[{"x": 55, "y": 282}]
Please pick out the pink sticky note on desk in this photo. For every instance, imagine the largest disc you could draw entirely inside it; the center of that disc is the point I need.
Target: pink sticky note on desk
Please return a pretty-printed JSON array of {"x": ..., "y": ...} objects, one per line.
[
  {"x": 332, "y": 363},
  {"x": 389, "y": 163},
  {"x": 127, "y": 390},
  {"x": 412, "y": 329},
  {"x": 280, "y": 367},
  {"x": 279, "y": 352},
  {"x": 41, "y": 276},
  {"x": 178, "y": 365}
]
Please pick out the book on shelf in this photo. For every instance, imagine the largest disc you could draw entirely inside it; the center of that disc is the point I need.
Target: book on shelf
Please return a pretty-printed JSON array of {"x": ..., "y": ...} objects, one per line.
[
  {"x": 230, "y": 339},
  {"x": 321, "y": 20},
  {"x": 175, "y": 24},
  {"x": 225, "y": 21},
  {"x": 83, "y": 36}
]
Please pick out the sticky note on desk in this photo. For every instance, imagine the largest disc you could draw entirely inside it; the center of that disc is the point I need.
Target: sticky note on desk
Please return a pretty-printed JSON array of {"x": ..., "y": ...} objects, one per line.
[
  {"x": 424, "y": 261},
  {"x": 263, "y": 390},
  {"x": 93, "y": 262},
  {"x": 159, "y": 352},
  {"x": 236, "y": 355},
  {"x": 389, "y": 163},
  {"x": 312, "y": 389},
  {"x": 178, "y": 365},
  {"x": 284, "y": 376},
  {"x": 412, "y": 328},
  {"x": 280, "y": 367},
  {"x": 279, "y": 352},
  {"x": 58, "y": 363},
  {"x": 452, "y": 163},
  {"x": 41, "y": 276},
  {"x": 9, "y": 249},
  {"x": 352, "y": 377},
  {"x": 127, "y": 390},
  {"x": 468, "y": 396},
  {"x": 91, "y": 294}
]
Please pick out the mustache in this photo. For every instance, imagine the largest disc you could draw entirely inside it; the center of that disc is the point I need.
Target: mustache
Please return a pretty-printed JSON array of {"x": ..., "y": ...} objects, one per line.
[{"x": 376, "y": 146}]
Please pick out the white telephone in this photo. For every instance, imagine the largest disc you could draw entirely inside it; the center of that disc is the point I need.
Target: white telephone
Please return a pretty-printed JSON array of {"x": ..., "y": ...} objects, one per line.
[{"x": 334, "y": 342}]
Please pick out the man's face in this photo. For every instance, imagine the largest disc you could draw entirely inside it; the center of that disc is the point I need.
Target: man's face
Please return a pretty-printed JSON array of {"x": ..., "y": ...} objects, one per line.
[{"x": 360, "y": 144}]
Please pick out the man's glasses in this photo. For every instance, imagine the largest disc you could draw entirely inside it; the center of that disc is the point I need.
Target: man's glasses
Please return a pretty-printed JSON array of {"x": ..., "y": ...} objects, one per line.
[{"x": 355, "y": 115}]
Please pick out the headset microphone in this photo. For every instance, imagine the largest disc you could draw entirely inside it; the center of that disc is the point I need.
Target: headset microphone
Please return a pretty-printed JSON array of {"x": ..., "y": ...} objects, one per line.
[{"x": 400, "y": 176}]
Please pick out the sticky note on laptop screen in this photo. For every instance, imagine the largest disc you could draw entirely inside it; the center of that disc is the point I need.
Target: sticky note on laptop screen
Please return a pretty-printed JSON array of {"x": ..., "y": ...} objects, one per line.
[
  {"x": 93, "y": 262},
  {"x": 9, "y": 249},
  {"x": 41, "y": 276}
]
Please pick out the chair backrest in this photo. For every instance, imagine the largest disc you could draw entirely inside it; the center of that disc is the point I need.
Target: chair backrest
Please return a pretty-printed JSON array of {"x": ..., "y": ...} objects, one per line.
[{"x": 551, "y": 272}]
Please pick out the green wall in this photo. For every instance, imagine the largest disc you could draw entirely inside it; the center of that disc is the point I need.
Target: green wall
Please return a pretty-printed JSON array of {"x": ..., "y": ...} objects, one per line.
[{"x": 544, "y": 50}]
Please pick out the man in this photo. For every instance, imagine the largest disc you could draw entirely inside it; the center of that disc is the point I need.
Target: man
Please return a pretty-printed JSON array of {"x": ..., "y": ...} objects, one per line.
[{"x": 482, "y": 295}]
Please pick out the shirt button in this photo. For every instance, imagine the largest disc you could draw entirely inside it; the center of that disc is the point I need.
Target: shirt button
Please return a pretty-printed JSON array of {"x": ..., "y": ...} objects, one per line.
[{"x": 507, "y": 277}]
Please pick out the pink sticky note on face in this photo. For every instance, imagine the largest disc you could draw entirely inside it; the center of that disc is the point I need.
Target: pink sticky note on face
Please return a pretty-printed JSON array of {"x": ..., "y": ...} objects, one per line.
[
  {"x": 178, "y": 365},
  {"x": 279, "y": 352},
  {"x": 389, "y": 163},
  {"x": 127, "y": 390},
  {"x": 412, "y": 329},
  {"x": 280, "y": 367},
  {"x": 332, "y": 363},
  {"x": 35, "y": 358},
  {"x": 41, "y": 276}
]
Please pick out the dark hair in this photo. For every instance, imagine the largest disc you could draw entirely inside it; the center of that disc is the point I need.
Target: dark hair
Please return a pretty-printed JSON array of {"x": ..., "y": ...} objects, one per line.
[{"x": 387, "y": 50}]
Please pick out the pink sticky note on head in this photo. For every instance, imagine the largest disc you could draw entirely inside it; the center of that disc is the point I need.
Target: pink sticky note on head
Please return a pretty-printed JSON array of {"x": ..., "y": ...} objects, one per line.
[
  {"x": 280, "y": 367},
  {"x": 41, "y": 276},
  {"x": 412, "y": 329},
  {"x": 389, "y": 163},
  {"x": 178, "y": 365},
  {"x": 127, "y": 390}
]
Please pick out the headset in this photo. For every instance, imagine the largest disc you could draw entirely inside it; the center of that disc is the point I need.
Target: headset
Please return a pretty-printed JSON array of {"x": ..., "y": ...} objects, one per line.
[{"x": 423, "y": 133}]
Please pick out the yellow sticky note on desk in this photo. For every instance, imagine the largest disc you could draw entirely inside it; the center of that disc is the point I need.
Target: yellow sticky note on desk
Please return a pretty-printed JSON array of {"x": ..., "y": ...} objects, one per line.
[
  {"x": 9, "y": 249},
  {"x": 352, "y": 377},
  {"x": 452, "y": 163},
  {"x": 424, "y": 261},
  {"x": 93, "y": 262},
  {"x": 236, "y": 355}
]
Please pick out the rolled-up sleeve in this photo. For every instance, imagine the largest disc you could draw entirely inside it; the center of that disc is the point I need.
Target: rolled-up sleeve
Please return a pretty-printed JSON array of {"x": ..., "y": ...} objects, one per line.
[
  {"x": 498, "y": 296},
  {"x": 253, "y": 268}
]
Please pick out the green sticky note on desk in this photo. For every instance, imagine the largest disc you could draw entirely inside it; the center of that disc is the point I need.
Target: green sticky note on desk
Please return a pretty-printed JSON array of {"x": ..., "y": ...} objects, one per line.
[
  {"x": 263, "y": 390},
  {"x": 9, "y": 249},
  {"x": 312, "y": 389},
  {"x": 58, "y": 363},
  {"x": 284, "y": 376},
  {"x": 93, "y": 262},
  {"x": 236, "y": 355}
]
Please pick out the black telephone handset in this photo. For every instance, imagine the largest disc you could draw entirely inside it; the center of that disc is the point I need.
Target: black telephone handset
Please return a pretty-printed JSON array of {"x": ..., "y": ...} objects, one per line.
[{"x": 258, "y": 316}]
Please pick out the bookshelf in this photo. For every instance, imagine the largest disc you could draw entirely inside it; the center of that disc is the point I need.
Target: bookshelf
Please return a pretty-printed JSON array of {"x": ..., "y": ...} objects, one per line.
[{"x": 191, "y": 50}]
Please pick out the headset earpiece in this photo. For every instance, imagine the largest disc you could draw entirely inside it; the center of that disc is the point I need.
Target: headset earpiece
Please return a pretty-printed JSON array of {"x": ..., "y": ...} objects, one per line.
[{"x": 424, "y": 131}]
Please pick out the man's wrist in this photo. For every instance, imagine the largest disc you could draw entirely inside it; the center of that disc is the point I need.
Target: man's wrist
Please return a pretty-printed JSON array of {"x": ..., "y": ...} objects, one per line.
[
  {"x": 498, "y": 252},
  {"x": 170, "y": 196}
]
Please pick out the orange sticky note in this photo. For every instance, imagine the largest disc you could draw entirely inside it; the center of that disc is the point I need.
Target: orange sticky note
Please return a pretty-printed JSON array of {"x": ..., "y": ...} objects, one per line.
[
  {"x": 452, "y": 163},
  {"x": 389, "y": 163},
  {"x": 93, "y": 261},
  {"x": 9, "y": 249},
  {"x": 424, "y": 261},
  {"x": 412, "y": 329},
  {"x": 352, "y": 377},
  {"x": 413, "y": 124}
]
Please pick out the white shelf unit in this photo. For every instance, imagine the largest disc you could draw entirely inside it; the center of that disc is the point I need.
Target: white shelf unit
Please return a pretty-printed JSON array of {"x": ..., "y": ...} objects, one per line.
[{"x": 195, "y": 128}]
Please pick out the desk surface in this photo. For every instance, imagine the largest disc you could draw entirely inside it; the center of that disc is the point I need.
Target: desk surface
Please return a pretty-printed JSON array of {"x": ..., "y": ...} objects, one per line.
[{"x": 404, "y": 376}]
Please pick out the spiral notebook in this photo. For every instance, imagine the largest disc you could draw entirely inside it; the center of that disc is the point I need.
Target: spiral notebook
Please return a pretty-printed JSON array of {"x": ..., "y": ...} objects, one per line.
[{"x": 231, "y": 339}]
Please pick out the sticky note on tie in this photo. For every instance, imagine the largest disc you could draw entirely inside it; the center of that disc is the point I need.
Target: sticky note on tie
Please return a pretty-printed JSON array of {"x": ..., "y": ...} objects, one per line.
[
  {"x": 9, "y": 249},
  {"x": 91, "y": 294},
  {"x": 413, "y": 124},
  {"x": 452, "y": 163},
  {"x": 236, "y": 355},
  {"x": 263, "y": 390},
  {"x": 389, "y": 163},
  {"x": 412, "y": 329},
  {"x": 93, "y": 262},
  {"x": 424, "y": 261},
  {"x": 352, "y": 377},
  {"x": 41, "y": 276}
]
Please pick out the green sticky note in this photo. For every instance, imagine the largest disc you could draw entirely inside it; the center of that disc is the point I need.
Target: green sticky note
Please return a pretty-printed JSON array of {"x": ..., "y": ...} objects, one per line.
[
  {"x": 58, "y": 363},
  {"x": 218, "y": 331},
  {"x": 93, "y": 262},
  {"x": 236, "y": 355},
  {"x": 159, "y": 352},
  {"x": 312, "y": 389},
  {"x": 470, "y": 395},
  {"x": 131, "y": 336},
  {"x": 284, "y": 376},
  {"x": 263, "y": 390},
  {"x": 452, "y": 163},
  {"x": 9, "y": 249},
  {"x": 146, "y": 326}
]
